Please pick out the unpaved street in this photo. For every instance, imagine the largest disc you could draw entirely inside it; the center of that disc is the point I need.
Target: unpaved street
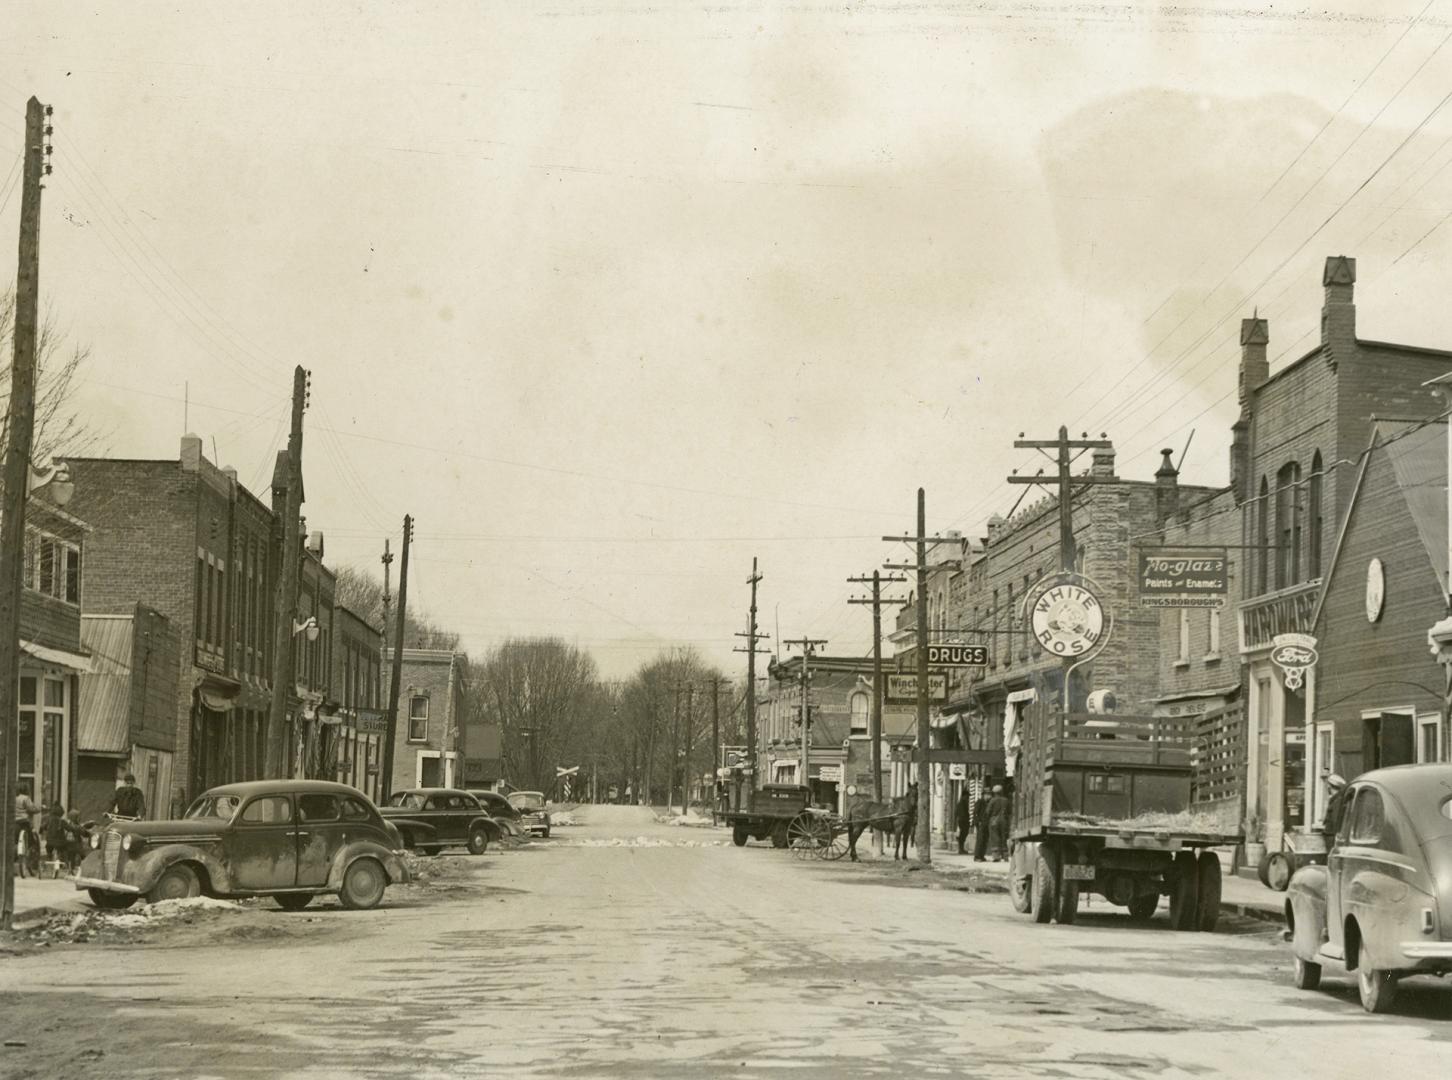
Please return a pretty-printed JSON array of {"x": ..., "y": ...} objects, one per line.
[{"x": 627, "y": 948}]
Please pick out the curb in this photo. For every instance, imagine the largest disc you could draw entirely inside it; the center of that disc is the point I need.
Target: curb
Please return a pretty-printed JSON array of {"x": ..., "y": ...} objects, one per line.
[{"x": 1251, "y": 911}]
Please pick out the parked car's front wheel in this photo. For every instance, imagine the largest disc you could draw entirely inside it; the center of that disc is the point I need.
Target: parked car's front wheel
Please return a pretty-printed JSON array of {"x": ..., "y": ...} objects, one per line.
[
  {"x": 478, "y": 840},
  {"x": 177, "y": 882},
  {"x": 363, "y": 885},
  {"x": 1378, "y": 988},
  {"x": 293, "y": 901},
  {"x": 1308, "y": 975},
  {"x": 110, "y": 901}
]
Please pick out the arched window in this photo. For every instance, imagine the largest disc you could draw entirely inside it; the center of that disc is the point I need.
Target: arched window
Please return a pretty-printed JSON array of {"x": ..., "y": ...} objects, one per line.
[
  {"x": 1313, "y": 517},
  {"x": 1262, "y": 538},
  {"x": 1288, "y": 525},
  {"x": 859, "y": 714}
]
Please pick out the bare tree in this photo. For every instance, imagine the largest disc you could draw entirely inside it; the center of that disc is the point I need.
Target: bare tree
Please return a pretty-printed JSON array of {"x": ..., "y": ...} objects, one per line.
[
  {"x": 362, "y": 594},
  {"x": 542, "y": 693},
  {"x": 59, "y": 427}
]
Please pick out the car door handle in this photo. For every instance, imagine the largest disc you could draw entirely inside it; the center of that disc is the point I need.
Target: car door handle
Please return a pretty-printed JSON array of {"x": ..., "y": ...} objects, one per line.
[{"x": 298, "y": 832}]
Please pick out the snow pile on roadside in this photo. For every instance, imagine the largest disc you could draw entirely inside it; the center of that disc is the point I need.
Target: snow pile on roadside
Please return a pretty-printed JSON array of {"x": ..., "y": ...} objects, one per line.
[
  {"x": 643, "y": 842},
  {"x": 690, "y": 819},
  {"x": 71, "y": 927},
  {"x": 563, "y": 820},
  {"x": 171, "y": 909}
]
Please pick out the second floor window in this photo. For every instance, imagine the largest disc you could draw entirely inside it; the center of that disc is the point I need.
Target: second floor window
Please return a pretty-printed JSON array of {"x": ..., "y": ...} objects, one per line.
[
  {"x": 1184, "y": 655},
  {"x": 418, "y": 718},
  {"x": 859, "y": 714},
  {"x": 52, "y": 567},
  {"x": 1288, "y": 526}
]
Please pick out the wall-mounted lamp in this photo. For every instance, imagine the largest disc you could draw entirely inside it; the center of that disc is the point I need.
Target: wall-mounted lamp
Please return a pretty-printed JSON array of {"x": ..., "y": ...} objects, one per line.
[
  {"x": 310, "y": 625},
  {"x": 56, "y": 483}
]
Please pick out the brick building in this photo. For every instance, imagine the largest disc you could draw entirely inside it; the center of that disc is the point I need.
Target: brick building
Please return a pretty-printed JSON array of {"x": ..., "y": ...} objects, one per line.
[
  {"x": 432, "y": 691},
  {"x": 127, "y": 709},
  {"x": 1296, "y": 457},
  {"x": 840, "y": 750},
  {"x": 357, "y": 695},
  {"x": 186, "y": 539},
  {"x": 52, "y": 657}
]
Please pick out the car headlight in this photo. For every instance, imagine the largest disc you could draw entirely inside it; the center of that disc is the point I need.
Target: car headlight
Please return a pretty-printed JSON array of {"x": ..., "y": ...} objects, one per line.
[
  {"x": 95, "y": 840},
  {"x": 128, "y": 842}
]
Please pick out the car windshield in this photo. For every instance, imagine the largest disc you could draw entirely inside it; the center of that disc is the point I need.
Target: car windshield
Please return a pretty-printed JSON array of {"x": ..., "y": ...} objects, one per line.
[
  {"x": 527, "y": 800},
  {"x": 215, "y": 806}
]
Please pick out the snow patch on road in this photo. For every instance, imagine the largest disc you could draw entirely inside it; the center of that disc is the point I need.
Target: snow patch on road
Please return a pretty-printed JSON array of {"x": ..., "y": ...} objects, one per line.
[
  {"x": 690, "y": 820},
  {"x": 641, "y": 842}
]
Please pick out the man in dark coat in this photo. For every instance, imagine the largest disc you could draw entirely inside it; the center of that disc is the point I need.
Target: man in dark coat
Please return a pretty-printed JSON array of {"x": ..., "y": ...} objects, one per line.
[
  {"x": 1335, "y": 808},
  {"x": 998, "y": 824},
  {"x": 963, "y": 816},
  {"x": 980, "y": 827},
  {"x": 129, "y": 802}
]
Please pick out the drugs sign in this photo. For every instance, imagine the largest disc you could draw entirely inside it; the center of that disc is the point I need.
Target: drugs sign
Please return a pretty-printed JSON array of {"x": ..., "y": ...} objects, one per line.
[
  {"x": 957, "y": 656},
  {"x": 1191, "y": 578}
]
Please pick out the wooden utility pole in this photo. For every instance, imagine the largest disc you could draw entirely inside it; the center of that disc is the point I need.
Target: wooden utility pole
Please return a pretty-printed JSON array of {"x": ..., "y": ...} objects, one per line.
[
  {"x": 285, "y": 595},
  {"x": 715, "y": 739},
  {"x": 921, "y": 543},
  {"x": 395, "y": 679},
  {"x": 808, "y": 647},
  {"x": 752, "y": 636},
  {"x": 387, "y": 600},
  {"x": 19, "y": 435},
  {"x": 1063, "y": 485},
  {"x": 686, "y": 759},
  {"x": 874, "y": 730}
]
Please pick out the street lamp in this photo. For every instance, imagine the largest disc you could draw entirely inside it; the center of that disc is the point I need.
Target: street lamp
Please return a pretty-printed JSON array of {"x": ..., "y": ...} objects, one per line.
[
  {"x": 56, "y": 483},
  {"x": 308, "y": 626}
]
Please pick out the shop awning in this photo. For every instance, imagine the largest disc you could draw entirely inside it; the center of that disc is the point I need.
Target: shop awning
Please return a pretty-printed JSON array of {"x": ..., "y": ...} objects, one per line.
[{"x": 63, "y": 658}]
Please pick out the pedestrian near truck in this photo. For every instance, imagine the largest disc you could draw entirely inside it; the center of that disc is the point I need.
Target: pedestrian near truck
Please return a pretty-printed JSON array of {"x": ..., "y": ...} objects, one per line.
[
  {"x": 980, "y": 827},
  {"x": 963, "y": 817},
  {"x": 998, "y": 824}
]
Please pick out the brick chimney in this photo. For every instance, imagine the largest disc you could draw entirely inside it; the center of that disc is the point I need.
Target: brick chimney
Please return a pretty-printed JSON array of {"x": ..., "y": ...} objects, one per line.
[
  {"x": 191, "y": 452},
  {"x": 1103, "y": 462},
  {"x": 1167, "y": 488},
  {"x": 1338, "y": 313},
  {"x": 995, "y": 528},
  {"x": 1254, "y": 370}
]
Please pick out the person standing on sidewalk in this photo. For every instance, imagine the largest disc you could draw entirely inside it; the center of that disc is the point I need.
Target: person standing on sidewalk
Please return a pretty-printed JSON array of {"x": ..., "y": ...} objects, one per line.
[
  {"x": 980, "y": 827},
  {"x": 963, "y": 816},
  {"x": 998, "y": 824},
  {"x": 27, "y": 811},
  {"x": 128, "y": 801}
]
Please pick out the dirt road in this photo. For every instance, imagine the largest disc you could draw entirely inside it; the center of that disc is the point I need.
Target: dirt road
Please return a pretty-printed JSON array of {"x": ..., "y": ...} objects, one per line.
[{"x": 631, "y": 949}]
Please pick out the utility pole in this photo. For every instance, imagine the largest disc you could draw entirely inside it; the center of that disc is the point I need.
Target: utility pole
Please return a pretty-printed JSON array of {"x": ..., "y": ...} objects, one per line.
[
  {"x": 686, "y": 760},
  {"x": 1063, "y": 486},
  {"x": 715, "y": 739},
  {"x": 19, "y": 435},
  {"x": 387, "y": 600},
  {"x": 285, "y": 597},
  {"x": 752, "y": 636},
  {"x": 808, "y": 647},
  {"x": 920, "y": 646},
  {"x": 395, "y": 680},
  {"x": 874, "y": 730}
]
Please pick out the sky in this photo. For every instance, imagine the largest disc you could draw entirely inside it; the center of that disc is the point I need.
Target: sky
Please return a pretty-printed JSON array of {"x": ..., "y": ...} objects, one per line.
[{"x": 614, "y": 298}]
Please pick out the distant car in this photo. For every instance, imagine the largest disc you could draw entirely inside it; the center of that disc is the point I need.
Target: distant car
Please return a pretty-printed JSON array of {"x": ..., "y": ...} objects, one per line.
[
  {"x": 501, "y": 810},
  {"x": 533, "y": 815},
  {"x": 288, "y": 839},
  {"x": 1382, "y": 905},
  {"x": 431, "y": 819}
]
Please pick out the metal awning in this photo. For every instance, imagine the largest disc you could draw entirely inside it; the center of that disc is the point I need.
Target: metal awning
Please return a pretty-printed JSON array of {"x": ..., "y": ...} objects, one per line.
[
  {"x": 1195, "y": 695},
  {"x": 64, "y": 658}
]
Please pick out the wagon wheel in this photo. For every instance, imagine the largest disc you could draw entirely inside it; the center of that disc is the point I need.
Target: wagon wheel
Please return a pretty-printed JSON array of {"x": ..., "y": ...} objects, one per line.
[
  {"x": 836, "y": 845},
  {"x": 807, "y": 836}
]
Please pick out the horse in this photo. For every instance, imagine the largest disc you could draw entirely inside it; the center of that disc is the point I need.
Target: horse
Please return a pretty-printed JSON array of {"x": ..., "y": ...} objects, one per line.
[{"x": 882, "y": 817}]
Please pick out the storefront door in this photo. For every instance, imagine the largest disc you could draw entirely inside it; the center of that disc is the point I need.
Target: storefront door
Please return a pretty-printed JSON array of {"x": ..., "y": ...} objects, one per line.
[{"x": 42, "y": 764}]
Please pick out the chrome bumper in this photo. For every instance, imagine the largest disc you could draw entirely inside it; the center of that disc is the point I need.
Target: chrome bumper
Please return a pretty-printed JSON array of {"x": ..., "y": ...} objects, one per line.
[
  {"x": 102, "y": 883},
  {"x": 1427, "y": 950}
]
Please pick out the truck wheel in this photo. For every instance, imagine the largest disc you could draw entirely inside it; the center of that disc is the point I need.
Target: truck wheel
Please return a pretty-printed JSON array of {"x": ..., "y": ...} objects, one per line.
[
  {"x": 1067, "y": 905},
  {"x": 779, "y": 836},
  {"x": 1208, "y": 898},
  {"x": 1041, "y": 890},
  {"x": 1019, "y": 891},
  {"x": 738, "y": 835},
  {"x": 1184, "y": 878}
]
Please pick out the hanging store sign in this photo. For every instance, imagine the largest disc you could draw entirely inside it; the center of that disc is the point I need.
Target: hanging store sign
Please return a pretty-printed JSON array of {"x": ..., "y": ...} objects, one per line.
[
  {"x": 1294, "y": 654},
  {"x": 1170, "y": 578},
  {"x": 370, "y": 722},
  {"x": 903, "y": 689},
  {"x": 1068, "y": 618},
  {"x": 957, "y": 656}
]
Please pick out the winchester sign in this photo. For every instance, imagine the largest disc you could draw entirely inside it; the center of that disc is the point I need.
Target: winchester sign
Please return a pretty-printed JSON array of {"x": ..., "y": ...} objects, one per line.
[{"x": 1176, "y": 579}]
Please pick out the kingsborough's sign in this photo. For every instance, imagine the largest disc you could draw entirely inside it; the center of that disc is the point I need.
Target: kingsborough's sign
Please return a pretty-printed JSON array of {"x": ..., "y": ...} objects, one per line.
[{"x": 1171, "y": 578}]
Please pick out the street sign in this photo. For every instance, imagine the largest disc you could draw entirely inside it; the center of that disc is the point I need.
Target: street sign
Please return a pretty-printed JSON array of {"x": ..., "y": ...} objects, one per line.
[
  {"x": 957, "y": 656},
  {"x": 1170, "y": 578},
  {"x": 830, "y": 774},
  {"x": 903, "y": 689}
]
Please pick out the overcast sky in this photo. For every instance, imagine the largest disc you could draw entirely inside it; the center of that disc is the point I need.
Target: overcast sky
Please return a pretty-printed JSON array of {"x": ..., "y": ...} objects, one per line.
[{"x": 612, "y": 299}]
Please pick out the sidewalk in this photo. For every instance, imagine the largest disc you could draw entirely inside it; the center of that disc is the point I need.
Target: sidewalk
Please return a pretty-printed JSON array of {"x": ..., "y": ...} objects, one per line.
[
  {"x": 37, "y": 897},
  {"x": 1238, "y": 896}
]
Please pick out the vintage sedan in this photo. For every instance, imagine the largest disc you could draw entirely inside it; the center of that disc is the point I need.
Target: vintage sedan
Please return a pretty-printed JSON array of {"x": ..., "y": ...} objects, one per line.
[
  {"x": 534, "y": 818},
  {"x": 1382, "y": 905},
  {"x": 504, "y": 812},
  {"x": 288, "y": 839},
  {"x": 431, "y": 819}
]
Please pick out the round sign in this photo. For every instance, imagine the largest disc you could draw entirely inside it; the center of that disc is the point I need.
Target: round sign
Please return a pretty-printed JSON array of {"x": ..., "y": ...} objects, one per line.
[
  {"x": 851, "y": 789},
  {"x": 1068, "y": 620},
  {"x": 1375, "y": 589}
]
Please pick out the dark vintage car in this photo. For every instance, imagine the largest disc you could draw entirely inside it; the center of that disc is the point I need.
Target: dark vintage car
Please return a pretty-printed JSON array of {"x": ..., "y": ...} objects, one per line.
[
  {"x": 1381, "y": 907},
  {"x": 501, "y": 810},
  {"x": 431, "y": 819},
  {"x": 288, "y": 839},
  {"x": 533, "y": 816}
]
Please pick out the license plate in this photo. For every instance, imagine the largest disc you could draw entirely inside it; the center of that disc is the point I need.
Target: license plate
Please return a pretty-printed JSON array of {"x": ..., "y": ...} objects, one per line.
[{"x": 1078, "y": 872}]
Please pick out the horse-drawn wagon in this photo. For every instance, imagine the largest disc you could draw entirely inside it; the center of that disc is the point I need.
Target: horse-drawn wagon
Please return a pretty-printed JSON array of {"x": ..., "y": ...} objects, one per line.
[{"x": 783, "y": 814}]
